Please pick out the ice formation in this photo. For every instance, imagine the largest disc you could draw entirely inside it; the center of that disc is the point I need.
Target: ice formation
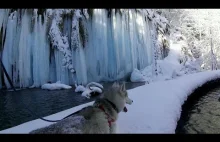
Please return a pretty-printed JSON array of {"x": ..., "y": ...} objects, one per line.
[{"x": 73, "y": 45}]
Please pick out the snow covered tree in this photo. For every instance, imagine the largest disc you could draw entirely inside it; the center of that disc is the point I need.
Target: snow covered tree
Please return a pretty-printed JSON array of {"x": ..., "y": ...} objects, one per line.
[{"x": 200, "y": 28}]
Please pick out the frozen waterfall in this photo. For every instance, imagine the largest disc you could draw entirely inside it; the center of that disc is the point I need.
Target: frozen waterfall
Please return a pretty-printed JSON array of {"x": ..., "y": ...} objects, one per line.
[{"x": 116, "y": 44}]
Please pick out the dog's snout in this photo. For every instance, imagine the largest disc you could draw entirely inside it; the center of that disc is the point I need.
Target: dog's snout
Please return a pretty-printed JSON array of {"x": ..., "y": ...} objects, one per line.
[{"x": 129, "y": 101}]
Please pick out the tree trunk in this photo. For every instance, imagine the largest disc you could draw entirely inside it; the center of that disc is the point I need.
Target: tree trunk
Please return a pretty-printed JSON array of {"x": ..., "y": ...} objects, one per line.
[{"x": 213, "y": 59}]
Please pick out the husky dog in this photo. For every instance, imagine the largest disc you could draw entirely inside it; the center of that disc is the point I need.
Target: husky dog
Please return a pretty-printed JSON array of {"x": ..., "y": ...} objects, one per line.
[{"x": 100, "y": 118}]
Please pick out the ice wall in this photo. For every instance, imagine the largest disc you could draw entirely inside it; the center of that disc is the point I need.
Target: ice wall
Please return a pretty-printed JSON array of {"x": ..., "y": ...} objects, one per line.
[
  {"x": 26, "y": 51},
  {"x": 116, "y": 44}
]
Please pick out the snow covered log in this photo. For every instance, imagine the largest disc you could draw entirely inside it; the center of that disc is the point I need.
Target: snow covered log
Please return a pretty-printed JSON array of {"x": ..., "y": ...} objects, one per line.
[
  {"x": 90, "y": 88},
  {"x": 55, "y": 86}
]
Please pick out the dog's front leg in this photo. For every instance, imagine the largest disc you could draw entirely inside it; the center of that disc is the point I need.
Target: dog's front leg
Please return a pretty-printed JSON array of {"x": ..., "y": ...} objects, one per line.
[{"x": 113, "y": 128}]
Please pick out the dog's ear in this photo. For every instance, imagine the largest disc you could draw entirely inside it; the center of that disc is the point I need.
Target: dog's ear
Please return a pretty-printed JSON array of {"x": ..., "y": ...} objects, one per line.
[
  {"x": 115, "y": 84},
  {"x": 122, "y": 88}
]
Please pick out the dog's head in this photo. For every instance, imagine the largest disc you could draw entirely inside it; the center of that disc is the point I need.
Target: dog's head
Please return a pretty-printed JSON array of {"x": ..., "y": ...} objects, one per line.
[{"x": 119, "y": 96}]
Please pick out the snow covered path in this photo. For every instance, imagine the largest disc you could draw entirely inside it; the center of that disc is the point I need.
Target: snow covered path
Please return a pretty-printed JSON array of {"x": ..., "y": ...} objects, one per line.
[{"x": 156, "y": 107}]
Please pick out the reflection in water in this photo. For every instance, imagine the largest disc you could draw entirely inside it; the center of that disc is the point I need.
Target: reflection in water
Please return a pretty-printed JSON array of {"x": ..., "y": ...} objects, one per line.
[
  {"x": 204, "y": 116},
  {"x": 42, "y": 102}
]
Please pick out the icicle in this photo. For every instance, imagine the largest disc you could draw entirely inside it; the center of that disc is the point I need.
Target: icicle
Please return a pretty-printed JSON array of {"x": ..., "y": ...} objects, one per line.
[
  {"x": 40, "y": 52},
  {"x": 2, "y": 12},
  {"x": 35, "y": 52},
  {"x": 2, "y": 15},
  {"x": 81, "y": 70},
  {"x": 4, "y": 24},
  {"x": 25, "y": 52},
  {"x": 7, "y": 55}
]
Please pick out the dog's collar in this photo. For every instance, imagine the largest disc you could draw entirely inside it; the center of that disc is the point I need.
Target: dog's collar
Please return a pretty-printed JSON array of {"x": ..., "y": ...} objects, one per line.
[
  {"x": 113, "y": 105},
  {"x": 110, "y": 120}
]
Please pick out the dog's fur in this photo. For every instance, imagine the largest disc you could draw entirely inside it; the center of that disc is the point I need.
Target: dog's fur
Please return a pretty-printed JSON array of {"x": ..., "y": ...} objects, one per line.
[{"x": 92, "y": 119}]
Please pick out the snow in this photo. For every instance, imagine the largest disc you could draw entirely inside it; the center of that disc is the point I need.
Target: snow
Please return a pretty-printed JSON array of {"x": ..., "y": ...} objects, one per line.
[
  {"x": 156, "y": 107},
  {"x": 171, "y": 63},
  {"x": 87, "y": 93},
  {"x": 96, "y": 89},
  {"x": 168, "y": 68},
  {"x": 85, "y": 12},
  {"x": 49, "y": 12},
  {"x": 137, "y": 76},
  {"x": 156, "y": 18},
  {"x": 90, "y": 88},
  {"x": 55, "y": 86},
  {"x": 94, "y": 84},
  {"x": 80, "y": 88},
  {"x": 59, "y": 41},
  {"x": 78, "y": 13}
]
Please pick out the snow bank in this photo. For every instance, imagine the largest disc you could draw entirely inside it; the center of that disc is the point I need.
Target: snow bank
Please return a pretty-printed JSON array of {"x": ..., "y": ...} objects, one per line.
[
  {"x": 168, "y": 68},
  {"x": 156, "y": 107},
  {"x": 137, "y": 76},
  {"x": 55, "y": 86}
]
